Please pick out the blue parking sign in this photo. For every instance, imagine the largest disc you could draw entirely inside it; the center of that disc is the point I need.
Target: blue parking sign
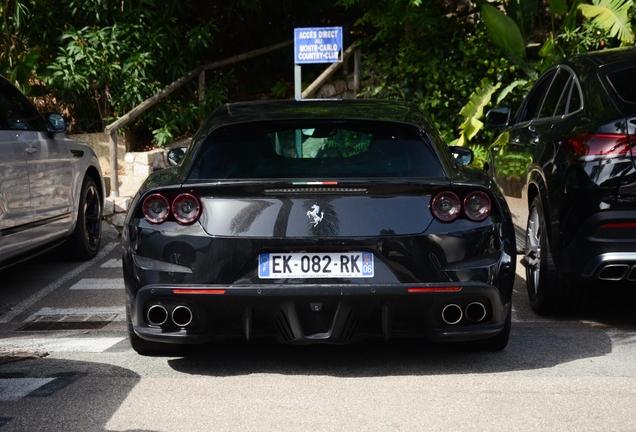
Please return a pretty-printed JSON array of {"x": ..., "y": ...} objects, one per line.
[{"x": 317, "y": 45}]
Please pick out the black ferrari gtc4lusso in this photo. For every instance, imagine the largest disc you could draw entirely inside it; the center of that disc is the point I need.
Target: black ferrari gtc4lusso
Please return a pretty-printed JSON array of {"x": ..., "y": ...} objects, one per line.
[{"x": 318, "y": 221}]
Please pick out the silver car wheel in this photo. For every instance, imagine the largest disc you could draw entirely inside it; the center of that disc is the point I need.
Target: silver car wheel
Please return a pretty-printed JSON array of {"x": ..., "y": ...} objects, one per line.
[{"x": 533, "y": 251}]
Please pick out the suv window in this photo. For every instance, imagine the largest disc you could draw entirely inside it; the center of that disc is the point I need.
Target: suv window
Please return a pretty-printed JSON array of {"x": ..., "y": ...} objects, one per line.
[
  {"x": 530, "y": 108},
  {"x": 555, "y": 101},
  {"x": 16, "y": 112},
  {"x": 575, "y": 102},
  {"x": 623, "y": 83},
  {"x": 315, "y": 150}
]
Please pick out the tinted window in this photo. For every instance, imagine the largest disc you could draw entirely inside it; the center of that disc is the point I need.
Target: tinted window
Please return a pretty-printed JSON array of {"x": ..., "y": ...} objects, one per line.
[
  {"x": 623, "y": 83},
  {"x": 532, "y": 103},
  {"x": 556, "y": 95},
  {"x": 315, "y": 150},
  {"x": 575, "y": 97},
  {"x": 563, "y": 101},
  {"x": 16, "y": 112}
]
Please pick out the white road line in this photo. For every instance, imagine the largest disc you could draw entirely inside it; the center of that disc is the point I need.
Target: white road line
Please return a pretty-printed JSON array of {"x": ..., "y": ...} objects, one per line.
[
  {"x": 109, "y": 313},
  {"x": 64, "y": 344},
  {"x": 13, "y": 389},
  {"x": 99, "y": 283},
  {"x": 18, "y": 309},
  {"x": 112, "y": 263}
]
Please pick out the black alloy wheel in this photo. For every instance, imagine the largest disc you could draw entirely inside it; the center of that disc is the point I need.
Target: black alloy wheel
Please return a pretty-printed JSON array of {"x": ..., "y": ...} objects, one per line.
[{"x": 84, "y": 243}]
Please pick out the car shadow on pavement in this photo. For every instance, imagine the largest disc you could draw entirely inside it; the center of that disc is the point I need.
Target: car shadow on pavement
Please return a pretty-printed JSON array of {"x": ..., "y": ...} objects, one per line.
[
  {"x": 531, "y": 347},
  {"x": 536, "y": 342},
  {"x": 75, "y": 396}
]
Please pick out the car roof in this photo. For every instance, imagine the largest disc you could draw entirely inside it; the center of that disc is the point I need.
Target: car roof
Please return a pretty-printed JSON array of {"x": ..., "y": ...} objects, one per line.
[
  {"x": 609, "y": 58},
  {"x": 327, "y": 109}
]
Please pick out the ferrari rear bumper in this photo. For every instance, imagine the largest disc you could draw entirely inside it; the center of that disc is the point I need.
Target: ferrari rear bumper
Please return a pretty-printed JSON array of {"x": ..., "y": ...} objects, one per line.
[{"x": 301, "y": 314}]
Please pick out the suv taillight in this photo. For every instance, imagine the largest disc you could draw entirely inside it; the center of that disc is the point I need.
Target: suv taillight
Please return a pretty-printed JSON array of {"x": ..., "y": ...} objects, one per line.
[
  {"x": 186, "y": 208},
  {"x": 592, "y": 147}
]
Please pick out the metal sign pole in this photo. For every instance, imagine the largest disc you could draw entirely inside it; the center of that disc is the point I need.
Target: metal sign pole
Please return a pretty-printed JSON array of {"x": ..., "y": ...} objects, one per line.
[{"x": 298, "y": 91}]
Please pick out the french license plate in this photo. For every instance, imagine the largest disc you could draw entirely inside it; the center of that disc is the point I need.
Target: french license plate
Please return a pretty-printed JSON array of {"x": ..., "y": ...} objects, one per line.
[{"x": 317, "y": 265}]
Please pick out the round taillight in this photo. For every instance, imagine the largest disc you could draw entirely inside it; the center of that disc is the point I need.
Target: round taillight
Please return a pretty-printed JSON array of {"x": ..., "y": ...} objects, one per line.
[
  {"x": 156, "y": 208},
  {"x": 477, "y": 206},
  {"x": 446, "y": 206},
  {"x": 186, "y": 208}
]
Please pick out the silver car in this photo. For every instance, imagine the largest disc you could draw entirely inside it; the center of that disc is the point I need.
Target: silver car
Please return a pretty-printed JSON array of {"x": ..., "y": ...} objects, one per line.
[{"x": 51, "y": 187}]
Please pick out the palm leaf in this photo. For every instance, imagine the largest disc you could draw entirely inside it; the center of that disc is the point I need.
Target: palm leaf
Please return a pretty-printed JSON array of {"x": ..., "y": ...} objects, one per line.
[
  {"x": 503, "y": 31},
  {"x": 474, "y": 110},
  {"x": 612, "y": 16},
  {"x": 510, "y": 87}
]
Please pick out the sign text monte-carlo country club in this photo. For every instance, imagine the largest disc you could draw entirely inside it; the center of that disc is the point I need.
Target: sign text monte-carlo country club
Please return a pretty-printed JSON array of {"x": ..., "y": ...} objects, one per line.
[{"x": 317, "y": 45}]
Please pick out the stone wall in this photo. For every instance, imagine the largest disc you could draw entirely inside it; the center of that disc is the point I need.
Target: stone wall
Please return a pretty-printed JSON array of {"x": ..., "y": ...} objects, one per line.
[
  {"x": 132, "y": 170},
  {"x": 101, "y": 145}
]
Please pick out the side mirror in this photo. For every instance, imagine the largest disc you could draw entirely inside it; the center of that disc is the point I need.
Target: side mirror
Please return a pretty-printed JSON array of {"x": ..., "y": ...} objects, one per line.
[
  {"x": 175, "y": 156},
  {"x": 463, "y": 155},
  {"x": 57, "y": 122},
  {"x": 498, "y": 117}
]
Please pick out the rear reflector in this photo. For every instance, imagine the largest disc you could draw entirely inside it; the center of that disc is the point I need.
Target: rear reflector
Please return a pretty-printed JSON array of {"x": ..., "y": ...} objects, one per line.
[
  {"x": 433, "y": 289},
  {"x": 198, "y": 291},
  {"x": 619, "y": 225}
]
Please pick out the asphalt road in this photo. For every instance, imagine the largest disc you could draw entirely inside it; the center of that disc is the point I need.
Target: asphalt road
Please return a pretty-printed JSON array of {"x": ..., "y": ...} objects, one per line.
[{"x": 566, "y": 373}]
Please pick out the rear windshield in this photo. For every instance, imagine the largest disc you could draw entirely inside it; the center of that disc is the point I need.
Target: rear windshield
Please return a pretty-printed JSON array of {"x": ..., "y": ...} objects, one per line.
[
  {"x": 312, "y": 150},
  {"x": 623, "y": 83}
]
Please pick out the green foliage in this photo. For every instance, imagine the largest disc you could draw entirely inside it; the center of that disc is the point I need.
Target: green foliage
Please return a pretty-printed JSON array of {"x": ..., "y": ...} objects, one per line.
[
  {"x": 439, "y": 70},
  {"x": 611, "y": 15},
  {"x": 523, "y": 12},
  {"x": 119, "y": 66},
  {"x": 279, "y": 90},
  {"x": 348, "y": 143},
  {"x": 474, "y": 110},
  {"x": 481, "y": 155},
  {"x": 513, "y": 165},
  {"x": 503, "y": 31}
]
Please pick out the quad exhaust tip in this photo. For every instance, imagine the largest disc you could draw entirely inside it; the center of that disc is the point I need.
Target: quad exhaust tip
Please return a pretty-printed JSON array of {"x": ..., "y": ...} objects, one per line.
[
  {"x": 182, "y": 316},
  {"x": 157, "y": 315},
  {"x": 475, "y": 312},
  {"x": 452, "y": 314}
]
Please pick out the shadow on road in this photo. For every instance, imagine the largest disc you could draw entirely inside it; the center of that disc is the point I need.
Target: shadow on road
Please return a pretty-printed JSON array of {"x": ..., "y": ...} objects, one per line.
[
  {"x": 531, "y": 347},
  {"x": 79, "y": 396}
]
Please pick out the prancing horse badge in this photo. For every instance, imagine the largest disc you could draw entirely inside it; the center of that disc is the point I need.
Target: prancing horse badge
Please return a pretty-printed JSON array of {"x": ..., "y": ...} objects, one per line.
[{"x": 316, "y": 214}]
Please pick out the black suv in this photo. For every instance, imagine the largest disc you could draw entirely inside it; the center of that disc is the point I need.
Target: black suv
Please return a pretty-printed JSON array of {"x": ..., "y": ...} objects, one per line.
[{"x": 566, "y": 163}]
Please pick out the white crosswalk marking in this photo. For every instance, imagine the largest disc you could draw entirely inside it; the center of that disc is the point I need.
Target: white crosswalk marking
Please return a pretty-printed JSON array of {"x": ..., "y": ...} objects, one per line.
[
  {"x": 13, "y": 389},
  {"x": 109, "y": 313},
  {"x": 62, "y": 344},
  {"x": 17, "y": 310},
  {"x": 99, "y": 283},
  {"x": 112, "y": 263}
]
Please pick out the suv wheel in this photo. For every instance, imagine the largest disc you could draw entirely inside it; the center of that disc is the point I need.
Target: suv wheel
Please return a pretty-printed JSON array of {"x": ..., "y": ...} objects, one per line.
[{"x": 549, "y": 291}]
